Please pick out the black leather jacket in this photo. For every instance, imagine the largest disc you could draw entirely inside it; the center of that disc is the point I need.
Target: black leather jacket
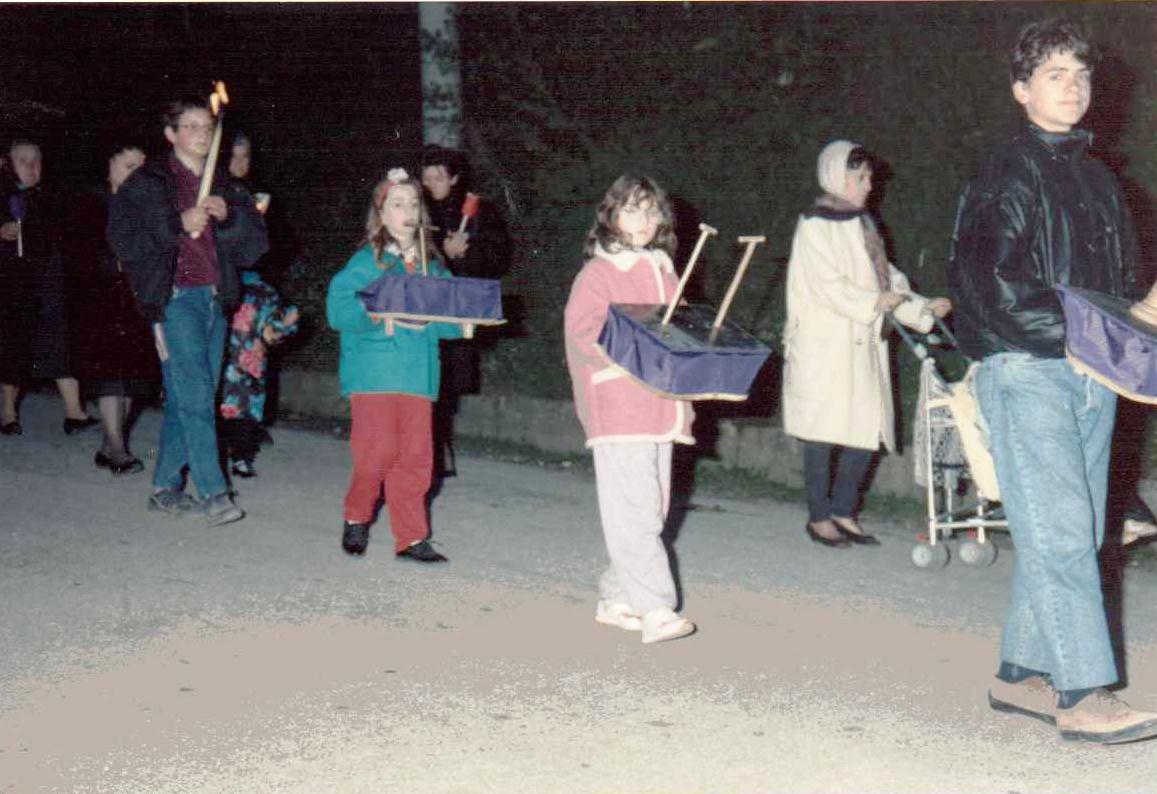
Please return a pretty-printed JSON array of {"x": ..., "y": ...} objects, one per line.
[
  {"x": 144, "y": 229},
  {"x": 1040, "y": 213}
]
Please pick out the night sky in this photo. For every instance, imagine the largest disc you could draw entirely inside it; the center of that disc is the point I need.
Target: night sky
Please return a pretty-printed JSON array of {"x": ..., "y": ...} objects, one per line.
[{"x": 298, "y": 75}]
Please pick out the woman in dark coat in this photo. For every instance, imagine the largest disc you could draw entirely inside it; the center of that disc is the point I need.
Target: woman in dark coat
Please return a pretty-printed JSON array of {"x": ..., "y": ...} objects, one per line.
[
  {"x": 33, "y": 299},
  {"x": 112, "y": 348}
]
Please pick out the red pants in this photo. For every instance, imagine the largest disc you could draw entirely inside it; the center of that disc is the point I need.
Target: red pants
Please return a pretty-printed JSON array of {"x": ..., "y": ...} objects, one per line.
[{"x": 391, "y": 443}]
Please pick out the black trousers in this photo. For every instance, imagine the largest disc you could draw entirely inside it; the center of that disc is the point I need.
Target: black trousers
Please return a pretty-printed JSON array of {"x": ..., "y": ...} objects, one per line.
[
  {"x": 837, "y": 495},
  {"x": 240, "y": 438}
]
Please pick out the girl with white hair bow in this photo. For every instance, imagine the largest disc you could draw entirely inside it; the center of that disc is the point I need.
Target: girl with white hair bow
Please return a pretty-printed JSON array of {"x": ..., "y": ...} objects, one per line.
[{"x": 837, "y": 392}]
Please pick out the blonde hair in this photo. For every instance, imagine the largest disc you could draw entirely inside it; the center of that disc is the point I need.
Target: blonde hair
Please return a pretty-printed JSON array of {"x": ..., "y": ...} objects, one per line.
[
  {"x": 630, "y": 189},
  {"x": 377, "y": 235}
]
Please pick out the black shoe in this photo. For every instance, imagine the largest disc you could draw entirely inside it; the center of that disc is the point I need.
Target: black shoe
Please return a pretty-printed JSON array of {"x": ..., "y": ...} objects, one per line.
[
  {"x": 421, "y": 551},
  {"x": 816, "y": 537},
  {"x": 124, "y": 466},
  {"x": 244, "y": 469},
  {"x": 857, "y": 535},
  {"x": 77, "y": 425},
  {"x": 355, "y": 537},
  {"x": 11, "y": 429},
  {"x": 130, "y": 466}
]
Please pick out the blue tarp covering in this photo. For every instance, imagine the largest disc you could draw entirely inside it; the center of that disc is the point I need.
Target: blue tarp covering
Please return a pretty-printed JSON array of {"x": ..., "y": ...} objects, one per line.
[
  {"x": 477, "y": 300},
  {"x": 681, "y": 360},
  {"x": 1105, "y": 341}
]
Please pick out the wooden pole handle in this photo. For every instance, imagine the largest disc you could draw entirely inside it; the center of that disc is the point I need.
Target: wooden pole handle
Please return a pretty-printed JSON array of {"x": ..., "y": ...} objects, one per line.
[
  {"x": 210, "y": 163},
  {"x": 1145, "y": 309},
  {"x": 705, "y": 231},
  {"x": 751, "y": 242},
  {"x": 422, "y": 245}
]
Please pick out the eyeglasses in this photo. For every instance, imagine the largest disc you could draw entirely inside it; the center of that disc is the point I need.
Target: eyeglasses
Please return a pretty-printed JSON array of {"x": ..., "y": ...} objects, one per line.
[{"x": 196, "y": 128}]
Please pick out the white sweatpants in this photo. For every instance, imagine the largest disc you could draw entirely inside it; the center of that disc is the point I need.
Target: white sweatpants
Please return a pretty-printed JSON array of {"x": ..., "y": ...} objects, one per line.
[{"x": 634, "y": 487}]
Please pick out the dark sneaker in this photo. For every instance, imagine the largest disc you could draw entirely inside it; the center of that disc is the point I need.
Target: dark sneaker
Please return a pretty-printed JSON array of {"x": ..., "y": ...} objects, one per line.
[
  {"x": 1033, "y": 697},
  {"x": 220, "y": 510},
  {"x": 355, "y": 537},
  {"x": 421, "y": 551},
  {"x": 1103, "y": 718},
  {"x": 174, "y": 503}
]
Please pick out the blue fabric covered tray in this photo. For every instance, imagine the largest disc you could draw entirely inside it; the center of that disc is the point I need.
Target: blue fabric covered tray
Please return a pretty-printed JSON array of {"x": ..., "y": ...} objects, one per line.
[
  {"x": 1104, "y": 341},
  {"x": 473, "y": 301},
  {"x": 681, "y": 360}
]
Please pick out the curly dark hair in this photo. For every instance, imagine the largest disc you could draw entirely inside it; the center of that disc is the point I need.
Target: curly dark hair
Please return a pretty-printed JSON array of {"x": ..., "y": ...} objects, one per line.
[
  {"x": 630, "y": 189},
  {"x": 1039, "y": 40}
]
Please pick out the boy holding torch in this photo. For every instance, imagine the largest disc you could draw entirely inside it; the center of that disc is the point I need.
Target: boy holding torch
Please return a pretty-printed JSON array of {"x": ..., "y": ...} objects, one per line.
[{"x": 181, "y": 252}]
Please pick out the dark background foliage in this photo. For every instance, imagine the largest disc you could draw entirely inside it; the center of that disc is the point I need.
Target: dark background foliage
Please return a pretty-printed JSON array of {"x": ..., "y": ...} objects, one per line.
[{"x": 726, "y": 105}]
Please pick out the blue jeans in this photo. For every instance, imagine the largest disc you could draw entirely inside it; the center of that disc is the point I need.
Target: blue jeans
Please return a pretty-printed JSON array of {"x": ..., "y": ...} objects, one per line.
[
  {"x": 838, "y": 496},
  {"x": 194, "y": 332},
  {"x": 1050, "y": 431}
]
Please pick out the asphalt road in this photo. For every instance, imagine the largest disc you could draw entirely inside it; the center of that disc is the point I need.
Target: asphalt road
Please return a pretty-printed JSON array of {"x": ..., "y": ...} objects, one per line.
[{"x": 140, "y": 653}]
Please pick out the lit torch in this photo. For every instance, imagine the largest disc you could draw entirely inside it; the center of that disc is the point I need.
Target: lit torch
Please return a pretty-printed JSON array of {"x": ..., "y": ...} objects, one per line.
[
  {"x": 469, "y": 210},
  {"x": 217, "y": 100}
]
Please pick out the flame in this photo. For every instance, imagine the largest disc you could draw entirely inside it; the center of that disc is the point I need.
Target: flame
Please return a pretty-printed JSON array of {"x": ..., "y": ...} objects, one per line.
[{"x": 218, "y": 98}]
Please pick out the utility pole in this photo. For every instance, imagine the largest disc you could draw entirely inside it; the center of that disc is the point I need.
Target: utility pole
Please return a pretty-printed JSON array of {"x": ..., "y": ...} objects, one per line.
[{"x": 441, "y": 74}]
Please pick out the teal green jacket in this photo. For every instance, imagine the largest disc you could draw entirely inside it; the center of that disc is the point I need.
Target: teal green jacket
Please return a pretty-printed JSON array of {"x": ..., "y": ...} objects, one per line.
[{"x": 372, "y": 361}]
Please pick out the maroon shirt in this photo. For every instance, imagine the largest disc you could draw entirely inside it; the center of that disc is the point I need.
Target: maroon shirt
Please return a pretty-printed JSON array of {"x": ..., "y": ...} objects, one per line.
[{"x": 197, "y": 259}]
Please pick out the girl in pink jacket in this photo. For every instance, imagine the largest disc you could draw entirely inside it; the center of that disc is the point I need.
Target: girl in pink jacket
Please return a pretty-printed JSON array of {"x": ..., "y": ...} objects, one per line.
[{"x": 629, "y": 428}]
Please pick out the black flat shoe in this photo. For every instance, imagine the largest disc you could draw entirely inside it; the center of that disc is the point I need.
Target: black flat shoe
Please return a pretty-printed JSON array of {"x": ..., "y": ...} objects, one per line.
[
  {"x": 11, "y": 429},
  {"x": 123, "y": 466},
  {"x": 421, "y": 551},
  {"x": 78, "y": 425},
  {"x": 130, "y": 466},
  {"x": 860, "y": 538},
  {"x": 816, "y": 537},
  {"x": 355, "y": 537}
]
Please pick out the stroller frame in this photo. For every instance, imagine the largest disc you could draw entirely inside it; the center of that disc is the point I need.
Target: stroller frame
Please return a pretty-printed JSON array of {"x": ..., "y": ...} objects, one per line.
[{"x": 945, "y": 466}]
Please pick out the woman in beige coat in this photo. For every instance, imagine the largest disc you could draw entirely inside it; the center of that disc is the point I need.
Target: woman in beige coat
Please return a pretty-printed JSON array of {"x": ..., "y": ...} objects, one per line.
[{"x": 837, "y": 393}]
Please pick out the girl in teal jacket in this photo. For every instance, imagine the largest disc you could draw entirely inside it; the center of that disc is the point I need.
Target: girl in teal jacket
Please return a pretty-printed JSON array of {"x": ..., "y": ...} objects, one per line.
[{"x": 391, "y": 376}]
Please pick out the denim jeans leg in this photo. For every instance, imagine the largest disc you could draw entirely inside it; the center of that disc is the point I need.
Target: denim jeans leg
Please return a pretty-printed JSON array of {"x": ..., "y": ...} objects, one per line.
[
  {"x": 851, "y": 467},
  {"x": 1049, "y": 430},
  {"x": 817, "y": 475},
  {"x": 195, "y": 335}
]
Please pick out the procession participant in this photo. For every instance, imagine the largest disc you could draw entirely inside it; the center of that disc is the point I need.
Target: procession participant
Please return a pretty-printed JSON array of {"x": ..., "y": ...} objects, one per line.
[
  {"x": 837, "y": 389},
  {"x": 112, "y": 350},
  {"x": 1041, "y": 213},
  {"x": 630, "y": 429},
  {"x": 390, "y": 371},
  {"x": 261, "y": 321},
  {"x": 469, "y": 231},
  {"x": 182, "y": 254},
  {"x": 34, "y": 331}
]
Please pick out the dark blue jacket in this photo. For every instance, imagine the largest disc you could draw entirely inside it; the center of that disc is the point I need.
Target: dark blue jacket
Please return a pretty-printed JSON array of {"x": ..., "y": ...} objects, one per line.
[{"x": 144, "y": 229}]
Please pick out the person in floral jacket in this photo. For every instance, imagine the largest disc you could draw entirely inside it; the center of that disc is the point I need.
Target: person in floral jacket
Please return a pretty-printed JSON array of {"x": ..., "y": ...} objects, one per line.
[{"x": 260, "y": 322}]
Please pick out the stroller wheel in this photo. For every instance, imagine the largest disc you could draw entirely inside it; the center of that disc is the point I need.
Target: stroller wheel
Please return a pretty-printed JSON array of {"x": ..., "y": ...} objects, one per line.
[
  {"x": 977, "y": 555},
  {"x": 928, "y": 557}
]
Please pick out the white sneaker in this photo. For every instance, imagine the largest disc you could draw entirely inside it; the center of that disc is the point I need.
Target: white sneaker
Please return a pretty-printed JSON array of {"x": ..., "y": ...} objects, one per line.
[
  {"x": 664, "y": 624},
  {"x": 618, "y": 614}
]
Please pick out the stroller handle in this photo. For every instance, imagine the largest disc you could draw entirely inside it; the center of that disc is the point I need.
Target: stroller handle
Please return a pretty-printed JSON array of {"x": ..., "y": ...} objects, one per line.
[{"x": 917, "y": 349}]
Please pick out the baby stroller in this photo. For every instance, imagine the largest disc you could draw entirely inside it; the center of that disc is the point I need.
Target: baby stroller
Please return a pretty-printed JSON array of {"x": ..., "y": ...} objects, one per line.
[{"x": 951, "y": 458}]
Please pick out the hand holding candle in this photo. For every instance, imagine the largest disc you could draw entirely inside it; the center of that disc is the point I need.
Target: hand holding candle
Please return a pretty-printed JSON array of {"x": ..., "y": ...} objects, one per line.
[{"x": 17, "y": 209}]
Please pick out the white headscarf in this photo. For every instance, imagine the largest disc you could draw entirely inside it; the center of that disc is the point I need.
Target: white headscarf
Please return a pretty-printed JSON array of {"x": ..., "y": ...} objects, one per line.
[{"x": 832, "y": 168}]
